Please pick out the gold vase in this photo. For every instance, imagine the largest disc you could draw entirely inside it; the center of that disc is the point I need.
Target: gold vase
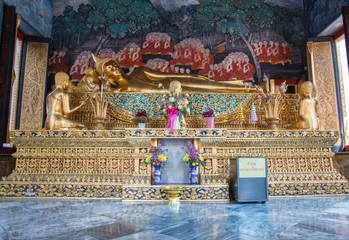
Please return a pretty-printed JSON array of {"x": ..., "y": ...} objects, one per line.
[
  {"x": 99, "y": 123},
  {"x": 272, "y": 123}
]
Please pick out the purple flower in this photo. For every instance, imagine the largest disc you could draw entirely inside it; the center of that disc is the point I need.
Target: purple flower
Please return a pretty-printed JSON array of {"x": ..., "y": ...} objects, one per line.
[
  {"x": 156, "y": 151},
  {"x": 193, "y": 154},
  {"x": 142, "y": 113},
  {"x": 208, "y": 113}
]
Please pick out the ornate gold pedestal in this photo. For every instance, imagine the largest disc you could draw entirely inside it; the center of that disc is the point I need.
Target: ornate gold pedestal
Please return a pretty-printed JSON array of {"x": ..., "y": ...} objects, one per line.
[
  {"x": 173, "y": 194},
  {"x": 107, "y": 164}
]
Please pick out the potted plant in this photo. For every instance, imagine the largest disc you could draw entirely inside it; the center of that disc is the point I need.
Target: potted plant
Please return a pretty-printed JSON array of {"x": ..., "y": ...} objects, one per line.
[
  {"x": 157, "y": 159},
  {"x": 194, "y": 160},
  {"x": 141, "y": 117},
  {"x": 209, "y": 115}
]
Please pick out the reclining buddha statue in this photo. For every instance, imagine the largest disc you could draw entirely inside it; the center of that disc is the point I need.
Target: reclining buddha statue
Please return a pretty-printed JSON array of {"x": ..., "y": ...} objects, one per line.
[{"x": 146, "y": 80}]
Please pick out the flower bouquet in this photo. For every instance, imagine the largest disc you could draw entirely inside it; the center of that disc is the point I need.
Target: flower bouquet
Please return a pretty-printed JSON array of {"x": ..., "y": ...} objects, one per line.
[
  {"x": 175, "y": 104},
  {"x": 192, "y": 156},
  {"x": 194, "y": 159},
  {"x": 141, "y": 117},
  {"x": 209, "y": 114},
  {"x": 156, "y": 158}
]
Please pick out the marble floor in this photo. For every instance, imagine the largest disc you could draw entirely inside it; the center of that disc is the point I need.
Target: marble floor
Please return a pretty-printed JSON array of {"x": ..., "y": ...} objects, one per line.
[{"x": 291, "y": 218}]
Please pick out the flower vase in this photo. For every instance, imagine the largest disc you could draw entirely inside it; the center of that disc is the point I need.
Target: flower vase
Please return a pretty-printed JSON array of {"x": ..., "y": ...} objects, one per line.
[
  {"x": 176, "y": 122},
  {"x": 141, "y": 125},
  {"x": 193, "y": 175},
  {"x": 210, "y": 122},
  {"x": 99, "y": 121},
  {"x": 157, "y": 175}
]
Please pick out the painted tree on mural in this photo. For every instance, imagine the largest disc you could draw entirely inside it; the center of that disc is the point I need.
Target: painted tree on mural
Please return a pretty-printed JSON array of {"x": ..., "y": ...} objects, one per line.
[
  {"x": 115, "y": 19},
  {"x": 242, "y": 19},
  {"x": 292, "y": 29},
  {"x": 71, "y": 28},
  {"x": 120, "y": 18},
  {"x": 167, "y": 24}
]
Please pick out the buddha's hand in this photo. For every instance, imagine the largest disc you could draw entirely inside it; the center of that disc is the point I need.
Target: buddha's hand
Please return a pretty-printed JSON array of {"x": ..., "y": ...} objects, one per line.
[{"x": 83, "y": 102}]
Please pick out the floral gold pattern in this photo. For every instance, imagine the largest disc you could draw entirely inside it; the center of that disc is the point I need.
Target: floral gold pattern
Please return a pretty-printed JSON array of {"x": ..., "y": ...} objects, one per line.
[
  {"x": 33, "y": 97},
  {"x": 226, "y": 106},
  {"x": 324, "y": 81},
  {"x": 108, "y": 164}
]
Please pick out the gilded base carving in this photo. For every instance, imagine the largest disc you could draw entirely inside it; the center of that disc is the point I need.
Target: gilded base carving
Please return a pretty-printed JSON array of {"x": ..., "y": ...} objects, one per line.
[
  {"x": 308, "y": 189},
  {"x": 190, "y": 193},
  {"x": 59, "y": 187},
  {"x": 108, "y": 164}
]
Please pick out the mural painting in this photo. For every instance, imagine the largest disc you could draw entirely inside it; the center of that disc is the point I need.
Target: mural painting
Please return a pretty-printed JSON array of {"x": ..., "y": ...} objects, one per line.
[
  {"x": 321, "y": 13},
  {"x": 222, "y": 39},
  {"x": 37, "y": 13}
]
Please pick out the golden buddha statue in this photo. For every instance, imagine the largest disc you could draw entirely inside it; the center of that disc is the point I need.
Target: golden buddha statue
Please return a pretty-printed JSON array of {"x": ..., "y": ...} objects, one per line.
[
  {"x": 308, "y": 110},
  {"x": 58, "y": 106},
  {"x": 175, "y": 87},
  {"x": 91, "y": 80},
  {"x": 144, "y": 79}
]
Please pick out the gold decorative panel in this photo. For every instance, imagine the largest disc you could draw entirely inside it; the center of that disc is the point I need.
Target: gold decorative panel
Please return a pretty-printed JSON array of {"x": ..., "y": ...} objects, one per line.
[
  {"x": 34, "y": 86},
  {"x": 108, "y": 163},
  {"x": 226, "y": 106},
  {"x": 324, "y": 81},
  {"x": 344, "y": 98}
]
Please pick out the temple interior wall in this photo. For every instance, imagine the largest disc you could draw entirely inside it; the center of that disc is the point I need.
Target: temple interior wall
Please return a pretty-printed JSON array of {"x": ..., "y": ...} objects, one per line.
[{"x": 223, "y": 47}]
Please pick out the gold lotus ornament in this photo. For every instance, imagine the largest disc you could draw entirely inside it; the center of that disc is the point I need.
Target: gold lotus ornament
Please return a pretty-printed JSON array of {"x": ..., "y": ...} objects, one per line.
[
  {"x": 99, "y": 104},
  {"x": 272, "y": 102}
]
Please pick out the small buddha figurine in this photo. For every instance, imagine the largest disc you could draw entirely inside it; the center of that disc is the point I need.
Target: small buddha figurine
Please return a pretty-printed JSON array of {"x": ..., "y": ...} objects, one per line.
[
  {"x": 176, "y": 88},
  {"x": 308, "y": 110},
  {"x": 58, "y": 106}
]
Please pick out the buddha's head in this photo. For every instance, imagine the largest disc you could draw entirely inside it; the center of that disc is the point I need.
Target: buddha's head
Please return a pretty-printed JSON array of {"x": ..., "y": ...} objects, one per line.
[
  {"x": 62, "y": 80},
  {"x": 175, "y": 87},
  {"x": 109, "y": 66},
  {"x": 112, "y": 69},
  {"x": 307, "y": 88}
]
